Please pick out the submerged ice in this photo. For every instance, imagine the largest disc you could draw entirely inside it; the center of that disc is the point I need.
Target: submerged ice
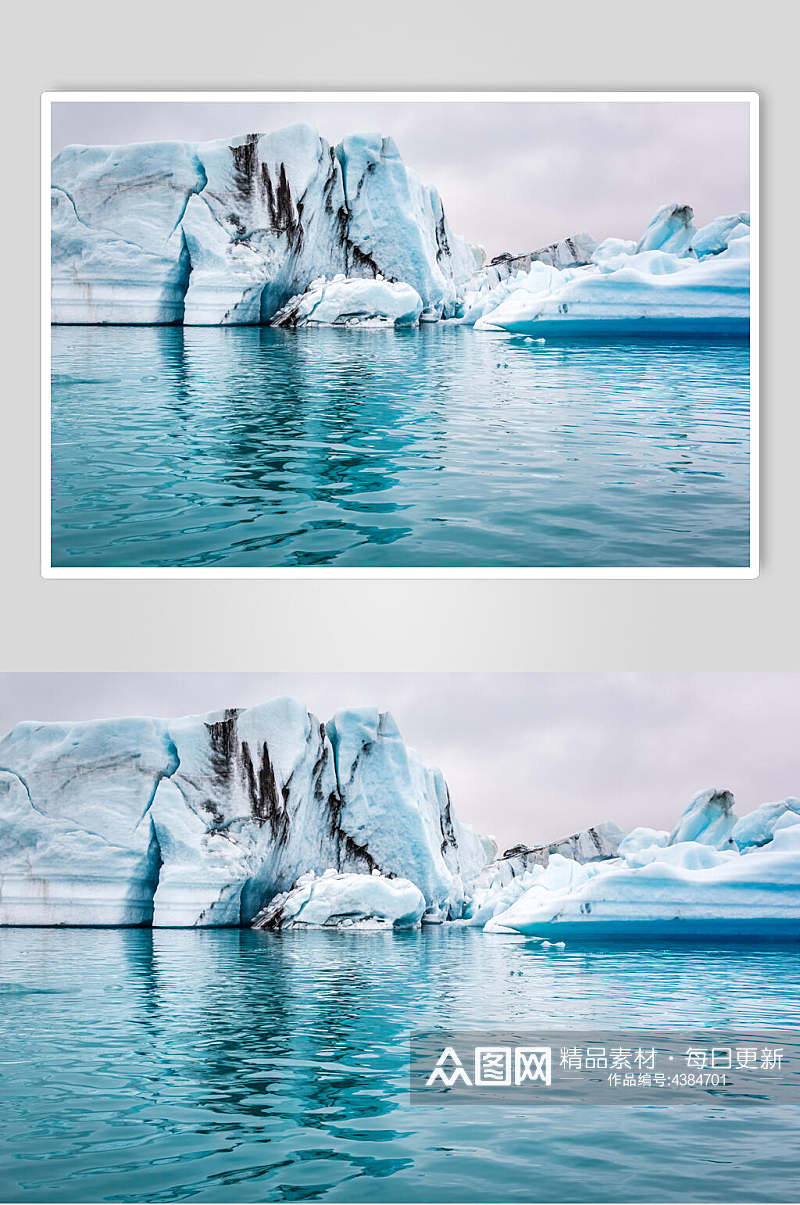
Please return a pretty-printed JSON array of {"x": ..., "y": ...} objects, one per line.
[{"x": 285, "y": 228}]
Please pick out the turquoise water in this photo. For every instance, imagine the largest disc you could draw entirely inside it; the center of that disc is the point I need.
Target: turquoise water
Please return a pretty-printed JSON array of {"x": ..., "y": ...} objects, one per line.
[
  {"x": 437, "y": 447},
  {"x": 243, "y": 1066}
]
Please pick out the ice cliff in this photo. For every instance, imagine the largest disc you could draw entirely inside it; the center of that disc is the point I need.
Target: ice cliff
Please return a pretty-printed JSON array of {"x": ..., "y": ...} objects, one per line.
[
  {"x": 227, "y": 232},
  {"x": 203, "y": 820}
]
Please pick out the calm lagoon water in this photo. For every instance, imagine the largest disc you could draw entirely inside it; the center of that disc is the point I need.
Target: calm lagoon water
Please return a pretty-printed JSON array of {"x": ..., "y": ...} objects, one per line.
[
  {"x": 243, "y": 1066},
  {"x": 434, "y": 447}
]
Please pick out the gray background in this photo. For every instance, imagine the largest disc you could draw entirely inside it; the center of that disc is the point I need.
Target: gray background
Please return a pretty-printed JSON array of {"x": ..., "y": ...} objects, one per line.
[{"x": 409, "y": 625}]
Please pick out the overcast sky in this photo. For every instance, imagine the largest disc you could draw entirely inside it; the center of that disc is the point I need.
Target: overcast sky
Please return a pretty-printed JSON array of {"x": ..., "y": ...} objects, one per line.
[
  {"x": 528, "y": 757},
  {"x": 513, "y": 176}
]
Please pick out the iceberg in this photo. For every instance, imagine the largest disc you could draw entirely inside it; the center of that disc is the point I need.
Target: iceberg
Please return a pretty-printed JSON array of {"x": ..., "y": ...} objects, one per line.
[
  {"x": 597, "y": 842},
  {"x": 226, "y": 232},
  {"x": 694, "y": 882},
  {"x": 344, "y": 901},
  {"x": 117, "y": 248},
  {"x": 201, "y": 821},
  {"x": 656, "y": 286},
  {"x": 349, "y": 301}
]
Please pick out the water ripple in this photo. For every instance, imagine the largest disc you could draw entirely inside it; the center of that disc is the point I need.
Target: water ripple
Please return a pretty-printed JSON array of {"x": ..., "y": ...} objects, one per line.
[{"x": 250, "y": 446}]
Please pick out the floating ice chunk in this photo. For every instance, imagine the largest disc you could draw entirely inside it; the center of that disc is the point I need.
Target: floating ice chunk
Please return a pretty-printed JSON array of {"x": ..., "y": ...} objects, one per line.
[
  {"x": 351, "y": 302},
  {"x": 687, "y": 888},
  {"x": 709, "y": 818},
  {"x": 345, "y": 901},
  {"x": 670, "y": 229}
]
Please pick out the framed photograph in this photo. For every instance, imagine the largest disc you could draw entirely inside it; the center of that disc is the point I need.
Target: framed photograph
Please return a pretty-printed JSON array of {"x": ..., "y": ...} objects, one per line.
[{"x": 400, "y": 334}]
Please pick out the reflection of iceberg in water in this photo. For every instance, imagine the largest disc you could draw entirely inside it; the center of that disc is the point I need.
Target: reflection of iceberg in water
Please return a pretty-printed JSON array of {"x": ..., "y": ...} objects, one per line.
[
  {"x": 238, "y": 1065},
  {"x": 255, "y": 446},
  {"x": 316, "y": 443}
]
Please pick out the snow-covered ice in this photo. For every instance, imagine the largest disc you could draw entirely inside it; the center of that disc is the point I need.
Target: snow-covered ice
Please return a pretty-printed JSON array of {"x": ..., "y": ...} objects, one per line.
[
  {"x": 694, "y": 882},
  {"x": 342, "y": 901},
  {"x": 350, "y": 301},
  {"x": 656, "y": 286}
]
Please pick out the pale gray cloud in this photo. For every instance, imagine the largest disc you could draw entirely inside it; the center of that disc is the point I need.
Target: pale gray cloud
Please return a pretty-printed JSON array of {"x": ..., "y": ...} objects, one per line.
[
  {"x": 513, "y": 175},
  {"x": 529, "y": 757}
]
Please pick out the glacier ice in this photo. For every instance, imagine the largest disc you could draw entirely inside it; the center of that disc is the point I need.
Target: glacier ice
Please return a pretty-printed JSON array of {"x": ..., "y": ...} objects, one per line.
[
  {"x": 226, "y": 232},
  {"x": 507, "y": 877},
  {"x": 267, "y": 816},
  {"x": 693, "y": 882},
  {"x": 398, "y": 809},
  {"x": 350, "y": 301},
  {"x": 202, "y": 820},
  {"x": 333, "y": 900},
  {"x": 599, "y": 841},
  {"x": 576, "y": 250},
  {"x": 118, "y": 252}
]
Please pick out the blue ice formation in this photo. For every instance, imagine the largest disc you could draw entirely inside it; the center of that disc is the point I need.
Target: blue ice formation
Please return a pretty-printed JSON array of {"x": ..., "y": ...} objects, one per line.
[
  {"x": 285, "y": 227},
  {"x": 227, "y": 232},
  {"x": 203, "y": 820},
  {"x": 266, "y": 816},
  {"x": 345, "y": 901}
]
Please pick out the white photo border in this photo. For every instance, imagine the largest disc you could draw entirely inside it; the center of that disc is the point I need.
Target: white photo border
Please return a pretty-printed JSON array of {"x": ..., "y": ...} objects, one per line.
[{"x": 711, "y": 96}]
